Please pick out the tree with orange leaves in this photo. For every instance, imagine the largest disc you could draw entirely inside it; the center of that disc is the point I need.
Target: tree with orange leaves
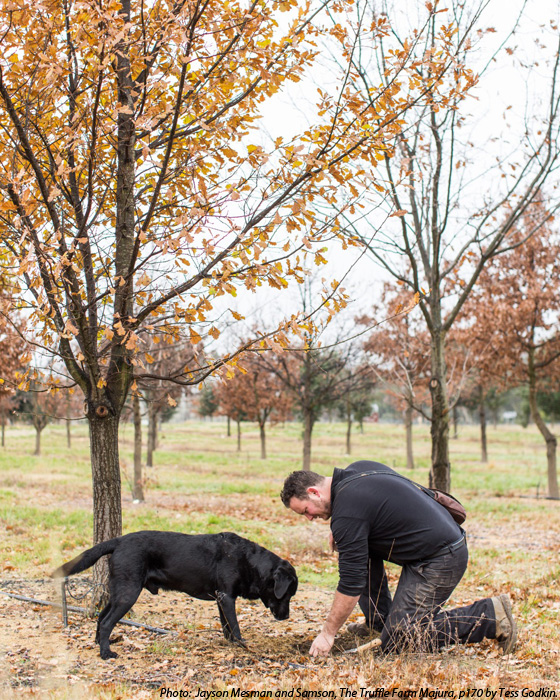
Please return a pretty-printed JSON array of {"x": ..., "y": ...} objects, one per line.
[
  {"x": 398, "y": 351},
  {"x": 136, "y": 191},
  {"x": 480, "y": 377},
  {"x": 161, "y": 391},
  {"x": 254, "y": 394},
  {"x": 267, "y": 400},
  {"x": 514, "y": 317},
  {"x": 12, "y": 350},
  {"x": 232, "y": 395}
]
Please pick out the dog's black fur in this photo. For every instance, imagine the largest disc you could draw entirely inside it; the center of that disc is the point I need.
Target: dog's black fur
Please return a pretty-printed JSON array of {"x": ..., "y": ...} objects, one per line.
[{"x": 209, "y": 567}]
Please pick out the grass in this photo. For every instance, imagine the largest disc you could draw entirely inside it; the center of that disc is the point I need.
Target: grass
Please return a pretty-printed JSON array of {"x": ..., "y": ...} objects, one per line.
[
  {"x": 198, "y": 460},
  {"x": 200, "y": 483}
]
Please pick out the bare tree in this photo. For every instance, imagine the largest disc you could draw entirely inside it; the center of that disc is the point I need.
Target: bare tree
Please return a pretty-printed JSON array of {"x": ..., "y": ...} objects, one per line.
[{"x": 455, "y": 209}]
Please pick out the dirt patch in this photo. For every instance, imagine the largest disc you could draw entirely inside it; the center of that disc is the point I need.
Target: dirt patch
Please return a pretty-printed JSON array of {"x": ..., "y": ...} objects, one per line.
[
  {"x": 40, "y": 656},
  {"x": 39, "y": 653}
]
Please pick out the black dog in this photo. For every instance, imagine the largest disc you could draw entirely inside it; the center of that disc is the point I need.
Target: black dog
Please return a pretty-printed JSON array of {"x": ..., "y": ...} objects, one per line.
[{"x": 209, "y": 567}]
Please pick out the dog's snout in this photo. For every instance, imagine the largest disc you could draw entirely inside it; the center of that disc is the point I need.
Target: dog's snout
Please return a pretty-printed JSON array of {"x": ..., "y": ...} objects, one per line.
[{"x": 280, "y": 612}]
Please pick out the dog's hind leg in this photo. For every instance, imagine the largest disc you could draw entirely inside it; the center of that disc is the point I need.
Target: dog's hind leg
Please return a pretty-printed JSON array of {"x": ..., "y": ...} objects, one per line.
[
  {"x": 228, "y": 618},
  {"x": 102, "y": 614},
  {"x": 121, "y": 602}
]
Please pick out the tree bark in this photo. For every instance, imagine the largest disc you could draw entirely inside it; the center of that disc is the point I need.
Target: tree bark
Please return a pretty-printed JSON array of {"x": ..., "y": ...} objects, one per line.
[
  {"x": 307, "y": 433},
  {"x": 137, "y": 490},
  {"x": 455, "y": 422},
  {"x": 263, "y": 440},
  {"x": 107, "y": 508},
  {"x": 348, "y": 432},
  {"x": 482, "y": 417},
  {"x": 308, "y": 418},
  {"x": 408, "y": 428},
  {"x": 68, "y": 431},
  {"x": 440, "y": 475},
  {"x": 155, "y": 428},
  {"x": 550, "y": 439},
  {"x": 37, "y": 451},
  {"x": 151, "y": 438},
  {"x": 239, "y": 436}
]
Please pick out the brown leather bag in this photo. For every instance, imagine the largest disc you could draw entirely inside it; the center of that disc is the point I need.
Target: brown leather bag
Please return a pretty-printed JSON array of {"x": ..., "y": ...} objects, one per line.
[{"x": 451, "y": 504}]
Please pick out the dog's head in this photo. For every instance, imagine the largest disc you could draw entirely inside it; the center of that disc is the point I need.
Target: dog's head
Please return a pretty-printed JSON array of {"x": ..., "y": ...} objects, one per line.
[{"x": 280, "y": 588}]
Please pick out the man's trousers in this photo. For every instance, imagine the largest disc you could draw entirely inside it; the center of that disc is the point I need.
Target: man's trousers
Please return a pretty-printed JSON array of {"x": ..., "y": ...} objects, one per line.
[{"x": 413, "y": 618}]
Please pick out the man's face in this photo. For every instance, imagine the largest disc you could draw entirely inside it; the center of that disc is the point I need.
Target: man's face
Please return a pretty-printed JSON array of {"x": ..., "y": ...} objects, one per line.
[{"x": 313, "y": 507}]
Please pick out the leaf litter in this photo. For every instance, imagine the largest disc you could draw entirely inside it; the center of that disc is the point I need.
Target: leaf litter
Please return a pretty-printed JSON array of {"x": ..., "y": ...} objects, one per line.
[{"x": 41, "y": 658}]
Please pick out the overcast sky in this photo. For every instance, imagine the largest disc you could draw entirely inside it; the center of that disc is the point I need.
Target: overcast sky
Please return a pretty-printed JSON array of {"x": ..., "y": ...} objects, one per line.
[{"x": 507, "y": 83}]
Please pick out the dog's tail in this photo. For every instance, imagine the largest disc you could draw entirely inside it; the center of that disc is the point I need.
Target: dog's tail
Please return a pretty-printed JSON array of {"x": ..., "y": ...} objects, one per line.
[{"x": 86, "y": 559}]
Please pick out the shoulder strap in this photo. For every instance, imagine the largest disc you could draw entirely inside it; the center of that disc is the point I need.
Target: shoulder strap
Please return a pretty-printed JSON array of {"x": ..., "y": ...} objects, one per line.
[
  {"x": 445, "y": 500},
  {"x": 345, "y": 482}
]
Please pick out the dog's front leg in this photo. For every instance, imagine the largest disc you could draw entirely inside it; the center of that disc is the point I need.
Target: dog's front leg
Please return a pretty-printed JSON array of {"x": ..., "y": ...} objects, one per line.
[{"x": 228, "y": 618}]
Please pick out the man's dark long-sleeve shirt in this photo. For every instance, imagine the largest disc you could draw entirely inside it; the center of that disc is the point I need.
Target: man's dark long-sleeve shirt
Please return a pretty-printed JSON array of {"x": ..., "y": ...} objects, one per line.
[{"x": 383, "y": 517}]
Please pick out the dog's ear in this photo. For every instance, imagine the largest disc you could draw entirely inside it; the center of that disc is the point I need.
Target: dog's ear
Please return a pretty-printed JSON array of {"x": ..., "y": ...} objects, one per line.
[{"x": 282, "y": 580}]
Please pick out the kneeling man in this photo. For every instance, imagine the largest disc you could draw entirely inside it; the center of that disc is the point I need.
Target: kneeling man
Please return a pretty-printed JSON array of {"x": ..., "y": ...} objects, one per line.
[{"x": 378, "y": 515}]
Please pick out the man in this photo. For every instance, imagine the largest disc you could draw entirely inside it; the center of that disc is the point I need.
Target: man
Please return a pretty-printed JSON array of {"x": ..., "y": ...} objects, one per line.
[{"x": 378, "y": 515}]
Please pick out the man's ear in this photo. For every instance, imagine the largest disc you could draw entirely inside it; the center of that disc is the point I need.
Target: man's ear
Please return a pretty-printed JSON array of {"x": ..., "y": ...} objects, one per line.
[{"x": 313, "y": 491}]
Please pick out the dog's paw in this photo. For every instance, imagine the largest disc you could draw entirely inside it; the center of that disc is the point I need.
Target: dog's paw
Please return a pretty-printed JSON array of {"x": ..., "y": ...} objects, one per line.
[{"x": 105, "y": 655}]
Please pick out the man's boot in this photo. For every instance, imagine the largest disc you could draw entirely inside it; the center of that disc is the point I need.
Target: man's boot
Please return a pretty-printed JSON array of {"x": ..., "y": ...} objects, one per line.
[{"x": 506, "y": 627}]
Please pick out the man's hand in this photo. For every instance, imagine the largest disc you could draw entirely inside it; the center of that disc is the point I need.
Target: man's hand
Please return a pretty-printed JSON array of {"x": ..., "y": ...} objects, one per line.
[
  {"x": 342, "y": 607},
  {"x": 322, "y": 645}
]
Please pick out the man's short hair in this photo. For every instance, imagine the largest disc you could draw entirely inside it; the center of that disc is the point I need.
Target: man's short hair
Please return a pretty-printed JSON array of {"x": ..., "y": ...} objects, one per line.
[{"x": 296, "y": 485}]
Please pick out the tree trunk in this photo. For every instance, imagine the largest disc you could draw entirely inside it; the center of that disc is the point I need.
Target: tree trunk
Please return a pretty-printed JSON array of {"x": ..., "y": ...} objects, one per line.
[
  {"x": 155, "y": 429},
  {"x": 308, "y": 418},
  {"x": 307, "y": 432},
  {"x": 137, "y": 490},
  {"x": 440, "y": 476},
  {"x": 408, "y": 428},
  {"x": 38, "y": 432},
  {"x": 106, "y": 477},
  {"x": 455, "y": 422},
  {"x": 348, "y": 432},
  {"x": 3, "y": 431},
  {"x": 263, "y": 440},
  {"x": 482, "y": 416},
  {"x": 239, "y": 436},
  {"x": 151, "y": 442},
  {"x": 228, "y": 426},
  {"x": 550, "y": 439},
  {"x": 68, "y": 416}
]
